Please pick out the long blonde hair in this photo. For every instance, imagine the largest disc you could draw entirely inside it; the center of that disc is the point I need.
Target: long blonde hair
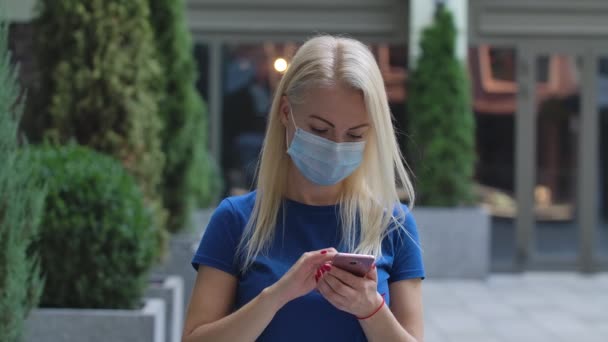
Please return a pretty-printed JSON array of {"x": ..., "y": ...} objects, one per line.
[{"x": 369, "y": 194}]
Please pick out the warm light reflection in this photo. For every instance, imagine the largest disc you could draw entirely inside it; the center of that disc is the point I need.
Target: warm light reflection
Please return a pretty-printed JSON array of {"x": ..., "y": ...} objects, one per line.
[{"x": 280, "y": 65}]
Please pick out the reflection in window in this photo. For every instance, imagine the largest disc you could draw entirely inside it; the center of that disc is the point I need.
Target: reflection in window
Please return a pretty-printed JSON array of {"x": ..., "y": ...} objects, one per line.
[
  {"x": 492, "y": 72},
  {"x": 249, "y": 80},
  {"x": 603, "y": 67},
  {"x": 558, "y": 113},
  {"x": 542, "y": 69},
  {"x": 392, "y": 60},
  {"x": 502, "y": 62},
  {"x": 393, "y": 63}
]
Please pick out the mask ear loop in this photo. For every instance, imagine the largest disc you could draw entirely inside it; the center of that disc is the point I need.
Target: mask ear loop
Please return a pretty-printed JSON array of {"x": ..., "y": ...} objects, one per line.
[{"x": 292, "y": 118}]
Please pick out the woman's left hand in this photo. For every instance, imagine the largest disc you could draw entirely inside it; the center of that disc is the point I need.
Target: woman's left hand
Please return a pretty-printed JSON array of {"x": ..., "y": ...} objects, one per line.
[{"x": 356, "y": 295}]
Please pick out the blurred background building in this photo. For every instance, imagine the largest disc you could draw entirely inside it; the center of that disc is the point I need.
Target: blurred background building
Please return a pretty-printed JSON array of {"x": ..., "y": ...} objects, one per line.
[{"x": 539, "y": 71}]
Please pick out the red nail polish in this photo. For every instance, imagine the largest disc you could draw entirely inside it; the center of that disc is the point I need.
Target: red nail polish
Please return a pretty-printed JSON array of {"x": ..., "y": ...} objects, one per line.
[
  {"x": 326, "y": 267},
  {"x": 323, "y": 252}
]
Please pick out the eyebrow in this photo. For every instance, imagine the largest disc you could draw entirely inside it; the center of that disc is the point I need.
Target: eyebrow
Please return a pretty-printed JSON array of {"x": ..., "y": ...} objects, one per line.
[{"x": 333, "y": 126}]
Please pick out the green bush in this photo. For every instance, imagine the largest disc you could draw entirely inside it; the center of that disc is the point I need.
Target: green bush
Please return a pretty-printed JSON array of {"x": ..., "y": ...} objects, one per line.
[
  {"x": 440, "y": 119},
  {"x": 98, "y": 241},
  {"x": 187, "y": 173},
  {"x": 21, "y": 209},
  {"x": 209, "y": 185},
  {"x": 99, "y": 84}
]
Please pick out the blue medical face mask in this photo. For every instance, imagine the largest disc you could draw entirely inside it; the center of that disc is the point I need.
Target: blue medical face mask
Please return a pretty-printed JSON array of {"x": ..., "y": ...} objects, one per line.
[{"x": 323, "y": 161}]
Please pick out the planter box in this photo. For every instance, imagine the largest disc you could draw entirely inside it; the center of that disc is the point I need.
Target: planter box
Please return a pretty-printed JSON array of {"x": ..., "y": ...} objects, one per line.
[
  {"x": 181, "y": 250},
  {"x": 455, "y": 241},
  {"x": 171, "y": 290},
  {"x": 98, "y": 325}
]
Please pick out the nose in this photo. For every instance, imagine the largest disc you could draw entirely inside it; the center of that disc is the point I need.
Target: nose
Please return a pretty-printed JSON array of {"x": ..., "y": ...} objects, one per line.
[{"x": 337, "y": 137}]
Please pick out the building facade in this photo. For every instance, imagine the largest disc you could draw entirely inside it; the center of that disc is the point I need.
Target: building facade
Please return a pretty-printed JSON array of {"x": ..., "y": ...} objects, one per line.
[{"x": 539, "y": 71}]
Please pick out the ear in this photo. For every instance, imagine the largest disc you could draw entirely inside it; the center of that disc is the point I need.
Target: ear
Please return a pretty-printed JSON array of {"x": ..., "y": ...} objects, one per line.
[{"x": 284, "y": 110}]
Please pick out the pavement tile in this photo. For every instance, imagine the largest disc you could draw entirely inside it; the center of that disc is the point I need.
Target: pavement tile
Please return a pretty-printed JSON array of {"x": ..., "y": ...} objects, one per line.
[
  {"x": 432, "y": 334},
  {"x": 533, "y": 306},
  {"x": 457, "y": 322},
  {"x": 601, "y": 328},
  {"x": 525, "y": 300},
  {"x": 587, "y": 336},
  {"x": 519, "y": 329},
  {"x": 492, "y": 309},
  {"x": 558, "y": 322},
  {"x": 473, "y": 338}
]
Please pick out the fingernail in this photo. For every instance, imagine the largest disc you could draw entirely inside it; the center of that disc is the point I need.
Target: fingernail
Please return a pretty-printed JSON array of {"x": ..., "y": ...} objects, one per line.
[
  {"x": 327, "y": 267},
  {"x": 317, "y": 278},
  {"x": 323, "y": 252}
]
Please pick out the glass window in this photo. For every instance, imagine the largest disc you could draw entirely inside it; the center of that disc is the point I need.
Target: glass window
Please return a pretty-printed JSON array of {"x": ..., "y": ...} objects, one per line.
[
  {"x": 393, "y": 63},
  {"x": 201, "y": 56},
  {"x": 502, "y": 61},
  {"x": 492, "y": 72},
  {"x": 249, "y": 79},
  {"x": 555, "y": 193}
]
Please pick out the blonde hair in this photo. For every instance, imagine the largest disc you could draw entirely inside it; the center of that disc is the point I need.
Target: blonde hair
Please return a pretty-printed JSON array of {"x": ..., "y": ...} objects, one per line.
[{"x": 369, "y": 194}]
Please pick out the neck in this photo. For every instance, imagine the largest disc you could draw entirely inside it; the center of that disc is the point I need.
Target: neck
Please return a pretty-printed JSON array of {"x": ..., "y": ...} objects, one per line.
[{"x": 300, "y": 189}]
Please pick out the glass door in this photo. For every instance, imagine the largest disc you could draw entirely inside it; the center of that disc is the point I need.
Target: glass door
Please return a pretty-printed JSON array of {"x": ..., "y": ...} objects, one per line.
[
  {"x": 558, "y": 89},
  {"x": 562, "y": 158}
]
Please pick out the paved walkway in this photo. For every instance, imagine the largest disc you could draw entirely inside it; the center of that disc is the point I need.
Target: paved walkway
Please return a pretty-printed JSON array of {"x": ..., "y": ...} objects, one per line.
[{"x": 529, "y": 307}]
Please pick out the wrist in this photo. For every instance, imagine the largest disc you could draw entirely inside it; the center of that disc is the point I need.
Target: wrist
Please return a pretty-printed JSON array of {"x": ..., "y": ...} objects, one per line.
[
  {"x": 275, "y": 296},
  {"x": 376, "y": 307}
]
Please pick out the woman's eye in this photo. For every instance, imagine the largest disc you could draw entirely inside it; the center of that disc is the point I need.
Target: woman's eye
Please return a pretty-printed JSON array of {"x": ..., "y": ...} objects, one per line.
[
  {"x": 318, "y": 131},
  {"x": 354, "y": 136}
]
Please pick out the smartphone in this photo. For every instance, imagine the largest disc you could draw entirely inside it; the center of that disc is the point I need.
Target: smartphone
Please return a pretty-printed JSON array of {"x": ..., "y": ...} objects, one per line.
[{"x": 357, "y": 264}]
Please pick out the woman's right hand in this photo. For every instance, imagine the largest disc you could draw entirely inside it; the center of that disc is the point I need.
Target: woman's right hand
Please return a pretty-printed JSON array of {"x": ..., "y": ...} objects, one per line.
[{"x": 300, "y": 279}]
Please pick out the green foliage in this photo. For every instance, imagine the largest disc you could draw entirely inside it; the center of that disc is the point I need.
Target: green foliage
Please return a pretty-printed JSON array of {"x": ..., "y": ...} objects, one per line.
[
  {"x": 187, "y": 175},
  {"x": 441, "y": 118},
  {"x": 21, "y": 209},
  {"x": 208, "y": 184},
  {"x": 100, "y": 84},
  {"x": 97, "y": 243}
]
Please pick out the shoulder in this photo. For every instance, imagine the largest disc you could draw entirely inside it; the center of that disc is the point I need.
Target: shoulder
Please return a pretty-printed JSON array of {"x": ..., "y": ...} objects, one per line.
[
  {"x": 223, "y": 233},
  {"x": 239, "y": 207},
  {"x": 402, "y": 246},
  {"x": 403, "y": 229},
  {"x": 231, "y": 215},
  {"x": 403, "y": 217},
  {"x": 246, "y": 200}
]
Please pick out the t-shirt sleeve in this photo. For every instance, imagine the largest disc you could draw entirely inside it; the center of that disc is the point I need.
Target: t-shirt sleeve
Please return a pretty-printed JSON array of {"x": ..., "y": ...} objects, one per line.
[
  {"x": 218, "y": 246},
  {"x": 407, "y": 262}
]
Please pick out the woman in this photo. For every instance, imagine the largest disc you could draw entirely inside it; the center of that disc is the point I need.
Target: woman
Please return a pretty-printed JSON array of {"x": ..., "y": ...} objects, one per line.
[{"x": 328, "y": 170}]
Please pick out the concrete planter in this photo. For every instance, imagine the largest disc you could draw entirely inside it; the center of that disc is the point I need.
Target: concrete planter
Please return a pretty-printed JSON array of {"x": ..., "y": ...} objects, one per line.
[
  {"x": 171, "y": 290},
  {"x": 181, "y": 250},
  {"x": 455, "y": 241},
  {"x": 98, "y": 325}
]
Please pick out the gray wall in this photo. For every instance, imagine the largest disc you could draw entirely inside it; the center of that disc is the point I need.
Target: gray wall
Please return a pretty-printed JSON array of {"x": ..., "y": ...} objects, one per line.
[
  {"x": 514, "y": 20},
  {"x": 280, "y": 20}
]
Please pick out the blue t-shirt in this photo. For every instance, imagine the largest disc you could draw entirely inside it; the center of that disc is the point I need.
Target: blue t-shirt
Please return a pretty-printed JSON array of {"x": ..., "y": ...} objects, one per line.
[{"x": 307, "y": 228}]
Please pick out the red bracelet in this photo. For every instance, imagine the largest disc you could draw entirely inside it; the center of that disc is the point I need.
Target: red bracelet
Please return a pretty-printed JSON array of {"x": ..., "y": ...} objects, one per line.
[{"x": 375, "y": 311}]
